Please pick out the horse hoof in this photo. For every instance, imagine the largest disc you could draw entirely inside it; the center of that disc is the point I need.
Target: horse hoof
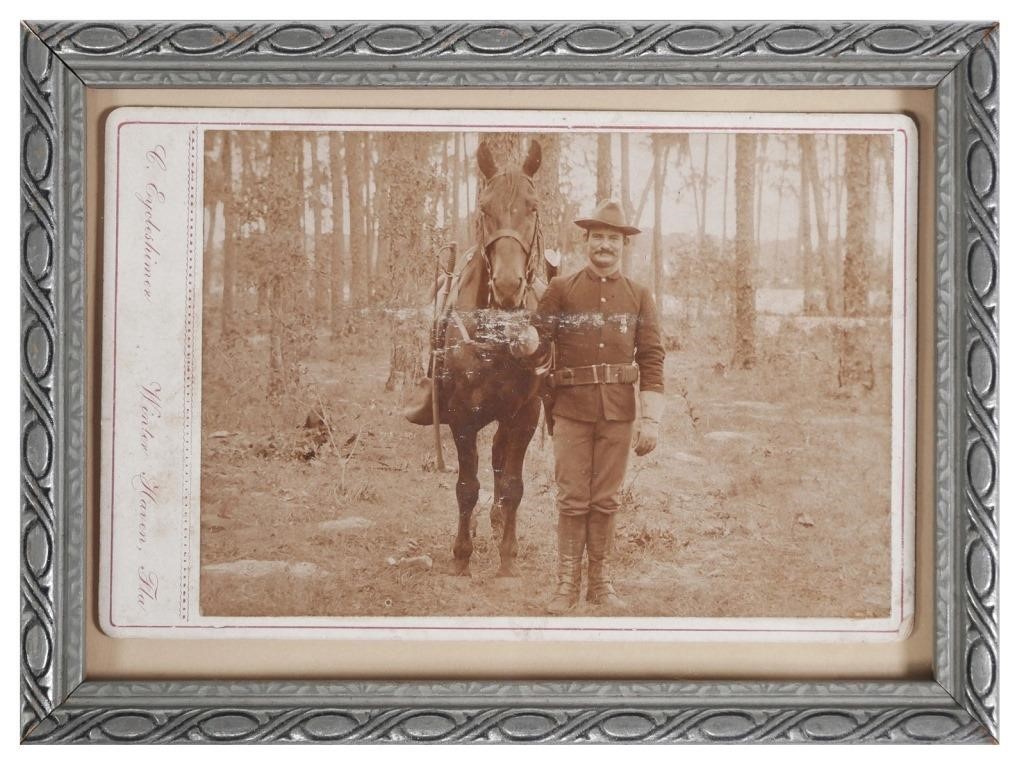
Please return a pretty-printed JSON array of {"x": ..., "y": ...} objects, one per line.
[
  {"x": 508, "y": 571},
  {"x": 461, "y": 568}
]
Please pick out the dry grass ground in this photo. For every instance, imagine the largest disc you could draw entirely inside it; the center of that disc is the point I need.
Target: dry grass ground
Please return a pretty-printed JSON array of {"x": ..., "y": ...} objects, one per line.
[{"x": 768, "y": 495}]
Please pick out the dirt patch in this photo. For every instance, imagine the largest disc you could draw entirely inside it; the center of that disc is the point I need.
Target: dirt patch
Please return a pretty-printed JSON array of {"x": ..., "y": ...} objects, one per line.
[{"x": 764, "y": 498}]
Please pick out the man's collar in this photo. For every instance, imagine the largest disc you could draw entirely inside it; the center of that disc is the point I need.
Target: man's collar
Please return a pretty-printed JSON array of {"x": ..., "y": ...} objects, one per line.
[{"x": 592, "y": 273}]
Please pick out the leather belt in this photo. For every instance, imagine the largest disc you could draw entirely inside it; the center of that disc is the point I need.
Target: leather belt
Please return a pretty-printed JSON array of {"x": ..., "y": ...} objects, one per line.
[{"x": 603, "y": 373}]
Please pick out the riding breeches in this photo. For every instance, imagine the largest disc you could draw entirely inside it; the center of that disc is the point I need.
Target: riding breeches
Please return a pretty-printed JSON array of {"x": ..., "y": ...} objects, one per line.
[{"x": 590, "y": 464}]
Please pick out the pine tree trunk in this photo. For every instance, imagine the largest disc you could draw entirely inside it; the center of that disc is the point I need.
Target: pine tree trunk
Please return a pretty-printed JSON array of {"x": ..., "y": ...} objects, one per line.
[
  {"x": 835, "y": 263},
  {"x": 746, "y": 151},
  {"x": 855, "y": 295},
  {"x": 455, "y": 209},
  {"x": 547, "y": 181},
  {"x": 855, "y": 366},
  {"x": 339, "y": 158},
  {"x": 372, "y": 209},
  {"x": 684, "y": 149},
  {"x": 760, "y": 161},
  {"x": 782, "y": 186},
  {"x": 820, "y": 224},
  {"x": 604, "y": 166},
  {"x": 702, "y": 232},
  {"x": 467, "y": 174},
  {"x": 284, "y": 239},
  {"x": 276, "y": 379},
  {"x": 807, "y": 257},
  {"x": 725, "y": 196},
  {"x": 405, "y": 266},
  {"x": 231, "y": 235},
  {"x": 321, "y": 262},
  {"x": 359, "y": 284},
  {"x": 445, "y": 194},
  {"x": 645, "y": 195},
  {"x": 211, "y": 212},
  {"x": 660, "y": 152},
  {"x": 627, "y": 202}
]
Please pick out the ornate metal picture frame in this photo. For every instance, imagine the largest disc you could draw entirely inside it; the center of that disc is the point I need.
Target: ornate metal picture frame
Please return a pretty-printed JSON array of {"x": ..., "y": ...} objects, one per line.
[{"x": 60, "y": 60}]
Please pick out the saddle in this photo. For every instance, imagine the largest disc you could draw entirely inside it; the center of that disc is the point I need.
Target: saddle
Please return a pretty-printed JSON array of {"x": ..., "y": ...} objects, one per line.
[
  {"x": 421, "y": 408},
  {"x": 420, "y": 411}
]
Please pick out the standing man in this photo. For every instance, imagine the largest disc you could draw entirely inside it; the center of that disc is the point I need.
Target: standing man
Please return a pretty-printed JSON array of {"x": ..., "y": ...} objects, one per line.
[{"x": 606, "y": 336}]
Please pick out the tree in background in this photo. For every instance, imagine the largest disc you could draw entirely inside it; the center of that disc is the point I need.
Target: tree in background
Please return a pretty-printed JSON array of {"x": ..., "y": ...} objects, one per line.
[
  {"x": 319, "y": 275},
  {"x": 359, "y": 283},
  {"x": 214, "y": 195},
  {"x": 659, "y": 150},
  {"x": 855, "y": 358},
  {"x": 746, "y": 155},
  {"x": 627, "y": 201},
  {"x": 283, "y": 262},
  {"x": 726, "y": 145},
  {"x": 338, "y": 155},
  {"x": 604, "y": 167},
  {"x": 371, "y": 180},
  {"x": 814, "y": 252},
  {"x": 454, "y": 218},
  {"x": 410, "y": 186},
  {"x": 551, "y": 203},
  {"x": 855, "y": 293}
]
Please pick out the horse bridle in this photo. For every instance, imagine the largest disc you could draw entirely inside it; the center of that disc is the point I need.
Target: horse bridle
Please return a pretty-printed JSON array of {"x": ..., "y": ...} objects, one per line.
[{"x": 531, "y": 249}]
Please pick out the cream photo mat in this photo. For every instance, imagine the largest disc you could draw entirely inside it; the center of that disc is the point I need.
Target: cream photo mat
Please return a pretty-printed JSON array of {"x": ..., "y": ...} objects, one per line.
[{"x": 542, "y": 661}]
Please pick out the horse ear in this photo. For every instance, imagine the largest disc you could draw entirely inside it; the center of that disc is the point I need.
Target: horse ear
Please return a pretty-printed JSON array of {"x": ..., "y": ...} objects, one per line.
[
  {"x": 485, "y": 160},
  {"x": 532, "y": 159}
]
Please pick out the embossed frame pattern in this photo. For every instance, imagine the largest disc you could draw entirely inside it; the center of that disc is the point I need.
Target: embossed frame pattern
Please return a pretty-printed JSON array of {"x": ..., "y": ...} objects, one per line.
[{"x": 60, "y": 59}]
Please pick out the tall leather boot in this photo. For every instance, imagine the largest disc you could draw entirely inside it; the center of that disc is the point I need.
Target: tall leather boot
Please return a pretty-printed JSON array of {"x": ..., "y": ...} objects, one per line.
[
  {"x": 572, "y": 537},
  {"x": 600, "y": 530}
]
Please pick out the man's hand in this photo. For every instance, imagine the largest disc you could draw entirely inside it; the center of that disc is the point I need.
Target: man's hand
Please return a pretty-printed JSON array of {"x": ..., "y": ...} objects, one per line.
[
  {"x": 652, "y": 405},
  {"x": 525, "y": 343},
  {"x": 647, "y": 438}
]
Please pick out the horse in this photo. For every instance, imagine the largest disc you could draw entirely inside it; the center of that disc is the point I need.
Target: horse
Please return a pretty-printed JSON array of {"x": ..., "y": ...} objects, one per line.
[{"x": 480, "y": 381}]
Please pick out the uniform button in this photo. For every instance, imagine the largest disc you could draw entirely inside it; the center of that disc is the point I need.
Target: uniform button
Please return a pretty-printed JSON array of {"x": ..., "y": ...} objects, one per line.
[
  {"x": 604, "y": 279},
  {"x": 601, "y": 345},
  {"x": 603, "y": 299}
]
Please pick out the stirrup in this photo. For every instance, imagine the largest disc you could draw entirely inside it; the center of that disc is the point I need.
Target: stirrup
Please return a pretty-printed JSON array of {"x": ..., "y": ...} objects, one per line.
[{"x": 421, "y": 411}]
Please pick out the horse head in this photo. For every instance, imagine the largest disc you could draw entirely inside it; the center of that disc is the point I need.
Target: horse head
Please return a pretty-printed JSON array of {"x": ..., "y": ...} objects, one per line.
[{"x": 509, "y": 226}]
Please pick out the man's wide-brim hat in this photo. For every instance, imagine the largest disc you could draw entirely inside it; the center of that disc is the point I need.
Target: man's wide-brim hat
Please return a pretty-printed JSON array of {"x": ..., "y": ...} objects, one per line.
[{"x": 608, "y": 214}]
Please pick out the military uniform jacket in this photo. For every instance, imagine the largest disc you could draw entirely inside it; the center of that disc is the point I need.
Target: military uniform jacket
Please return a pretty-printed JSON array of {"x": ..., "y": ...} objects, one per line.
[{"x": 592, "y": 320}]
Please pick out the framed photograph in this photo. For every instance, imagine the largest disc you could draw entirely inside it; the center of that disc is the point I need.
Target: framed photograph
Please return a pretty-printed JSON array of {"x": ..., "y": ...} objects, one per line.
[{"x": 509, "y": 382}]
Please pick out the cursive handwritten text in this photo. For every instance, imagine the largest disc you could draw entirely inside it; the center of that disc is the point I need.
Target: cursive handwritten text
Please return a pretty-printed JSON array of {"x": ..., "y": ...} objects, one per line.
[
  {"x": 150, "y": 197},
  {"x": 145, "y": 503},
  {"x": 151, "y": 411},
  {"x": 147, "y": 586}
]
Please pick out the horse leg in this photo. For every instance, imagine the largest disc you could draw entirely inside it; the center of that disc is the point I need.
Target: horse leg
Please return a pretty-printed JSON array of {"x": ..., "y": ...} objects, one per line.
[
  {"x": 467, "y": 490},
  {"x": 520, "y": 433},
  {"x": 498, "y": 465}
]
